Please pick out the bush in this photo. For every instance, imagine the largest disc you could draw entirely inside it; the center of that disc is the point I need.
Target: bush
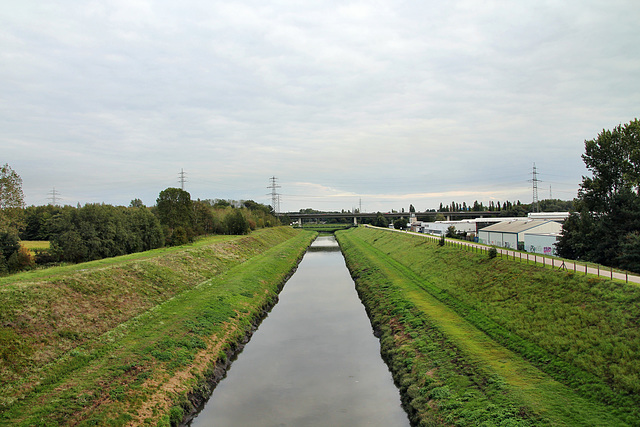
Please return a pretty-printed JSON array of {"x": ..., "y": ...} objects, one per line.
[
  {"x": 493, "y": 252},
  {"x": 441, "y": 242},
  {"x": 236, "y": 223}
]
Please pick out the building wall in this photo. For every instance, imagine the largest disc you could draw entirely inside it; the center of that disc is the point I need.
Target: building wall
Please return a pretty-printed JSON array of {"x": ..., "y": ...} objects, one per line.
[
  {"x": 441, "y": 227},
  {"x": 495, "y": 238},
  {"x": 540, "y": 243},
  {"x": 510, "y": 240}
]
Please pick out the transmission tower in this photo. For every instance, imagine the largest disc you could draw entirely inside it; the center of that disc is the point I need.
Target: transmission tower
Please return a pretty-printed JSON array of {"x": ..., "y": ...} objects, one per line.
[
  {"x": 535, "y": 181},
  {"x": 54, "y": 197},
  {"x": 275, "y": 197},
  {"x": 182, "y": 178}
]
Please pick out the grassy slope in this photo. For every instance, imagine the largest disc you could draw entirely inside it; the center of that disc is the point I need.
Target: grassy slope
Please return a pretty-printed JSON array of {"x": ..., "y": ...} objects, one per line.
[
  {"x": 527, "y": 309},
  {"x": 127, "y": 338}
]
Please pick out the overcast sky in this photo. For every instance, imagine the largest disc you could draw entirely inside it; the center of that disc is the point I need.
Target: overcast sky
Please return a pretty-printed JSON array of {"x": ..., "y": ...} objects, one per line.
[{"x": 385, "y": 103}]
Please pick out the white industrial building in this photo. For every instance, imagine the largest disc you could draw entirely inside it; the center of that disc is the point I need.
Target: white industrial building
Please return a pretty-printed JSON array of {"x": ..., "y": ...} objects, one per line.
[
  {"x": 439, "y": 228},
  {"x": 509, "y": 233},
  {"x": 541, "y": 243}
]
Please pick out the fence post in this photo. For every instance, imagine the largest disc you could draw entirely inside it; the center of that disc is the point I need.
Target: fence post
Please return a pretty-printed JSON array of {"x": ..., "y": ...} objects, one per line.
[{"x": 598, "y": 270}]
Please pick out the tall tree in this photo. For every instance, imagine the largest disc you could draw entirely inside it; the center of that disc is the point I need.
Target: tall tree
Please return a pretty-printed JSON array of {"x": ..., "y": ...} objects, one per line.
[
  {"x": 175, "y": 212},
  {"x": 11, "y": 198},
  {"x": 605, "y": 227}
]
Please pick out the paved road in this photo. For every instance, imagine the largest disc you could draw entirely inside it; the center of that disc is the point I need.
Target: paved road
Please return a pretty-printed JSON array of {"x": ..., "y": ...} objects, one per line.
[{"x": 569, "y": 265}]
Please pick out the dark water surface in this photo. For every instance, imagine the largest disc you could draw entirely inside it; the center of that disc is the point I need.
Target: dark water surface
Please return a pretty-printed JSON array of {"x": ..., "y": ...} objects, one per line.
[{"x": 314, "y": 361}]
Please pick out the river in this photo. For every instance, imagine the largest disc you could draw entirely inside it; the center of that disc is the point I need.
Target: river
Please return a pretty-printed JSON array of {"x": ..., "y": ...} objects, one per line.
[{"x": 314, "y": 361}]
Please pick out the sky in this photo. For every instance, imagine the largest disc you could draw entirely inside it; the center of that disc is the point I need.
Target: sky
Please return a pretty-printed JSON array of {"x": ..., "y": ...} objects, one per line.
[{"x": 349, "y": 104}]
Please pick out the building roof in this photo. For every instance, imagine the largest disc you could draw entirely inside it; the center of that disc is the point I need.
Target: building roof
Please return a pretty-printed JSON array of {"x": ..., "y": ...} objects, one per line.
[{"x": 515, "y": 226}]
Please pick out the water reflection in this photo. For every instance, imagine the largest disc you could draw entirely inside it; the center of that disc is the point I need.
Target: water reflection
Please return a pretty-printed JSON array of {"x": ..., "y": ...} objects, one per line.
[{"x": 313, "y": 362}]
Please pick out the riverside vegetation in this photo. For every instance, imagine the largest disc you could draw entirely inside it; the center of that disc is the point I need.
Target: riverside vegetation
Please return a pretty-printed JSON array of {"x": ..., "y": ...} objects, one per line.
[
  {"x": 137, "y": 339},
  {"x": 477, "y": 341}
]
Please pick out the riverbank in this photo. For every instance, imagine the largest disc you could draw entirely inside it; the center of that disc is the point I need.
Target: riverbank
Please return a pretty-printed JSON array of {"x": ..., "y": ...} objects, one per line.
[
  {"x": 472, "y": 340},
  {"x": 135, "y": 340}
]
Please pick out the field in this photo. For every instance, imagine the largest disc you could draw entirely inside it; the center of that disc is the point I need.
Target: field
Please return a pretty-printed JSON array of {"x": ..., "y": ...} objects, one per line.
[
  {"x": 35, "y": 244},
  {"x": 473, "y": 340},
  {"x": 138, "y": 339}
]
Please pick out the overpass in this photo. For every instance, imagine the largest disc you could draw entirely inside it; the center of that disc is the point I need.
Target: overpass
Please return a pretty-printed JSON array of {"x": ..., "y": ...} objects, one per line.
[{"x": 430, "y": 216}]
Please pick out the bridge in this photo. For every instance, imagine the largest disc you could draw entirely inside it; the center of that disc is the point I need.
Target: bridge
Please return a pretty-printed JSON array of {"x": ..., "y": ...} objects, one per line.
[{"x": 430, "y": 216}]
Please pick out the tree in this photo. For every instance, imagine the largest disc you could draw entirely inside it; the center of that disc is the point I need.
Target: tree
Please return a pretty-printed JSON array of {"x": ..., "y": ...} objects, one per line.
[
  {"x": 98, "y": 231},
  {"x": 136, "y": 203},
  {"x": 605, "y": 227},
  {"x": 400, "y": 223},
  {"x": 11, "y": 198},
  {"x": 412, "y": 209},
  {"x": 236, "y": 223},
  {"x": 175, "y": 209},
  {"x": 380, "y": 221}
]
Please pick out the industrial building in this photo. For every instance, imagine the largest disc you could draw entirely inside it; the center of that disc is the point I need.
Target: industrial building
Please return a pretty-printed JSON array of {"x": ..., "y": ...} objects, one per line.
[{"x": 512, "y": 234}]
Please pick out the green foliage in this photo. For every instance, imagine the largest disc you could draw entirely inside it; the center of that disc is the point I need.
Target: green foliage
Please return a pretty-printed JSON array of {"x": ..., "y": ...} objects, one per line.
[
  {"x": 236, "y": 223},
  {"x": 492, "y": 252},
  {"x": 13, "y": 257},
  {"x": 400, "y": 223},
  {"x": 98, "y": 231},
  {"x": 380, "y": 221},
  {"x": 608, "y": 218},
  {"x": 441, "y": 241},
  {"x": 175, "y": 212},
  {"x": 451, "y": 231},
  {"x": 11, "y": 198}
]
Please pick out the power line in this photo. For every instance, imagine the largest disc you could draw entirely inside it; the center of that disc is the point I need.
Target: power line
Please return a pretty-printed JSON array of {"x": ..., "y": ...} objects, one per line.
[
  {"x": 53, "y": 196},
  {"x": 182, "y": 178},
  {"x": 534, "y": 181},
  {"x": 275, "y": 197}
]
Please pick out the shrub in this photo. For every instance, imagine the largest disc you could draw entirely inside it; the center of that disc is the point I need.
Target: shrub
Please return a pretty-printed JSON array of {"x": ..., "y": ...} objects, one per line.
[{"x": 493, "y": 252}]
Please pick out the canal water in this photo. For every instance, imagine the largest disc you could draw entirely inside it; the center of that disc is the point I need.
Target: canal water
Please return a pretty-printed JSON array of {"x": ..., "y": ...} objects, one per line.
[{"x": 314, "y": 361}]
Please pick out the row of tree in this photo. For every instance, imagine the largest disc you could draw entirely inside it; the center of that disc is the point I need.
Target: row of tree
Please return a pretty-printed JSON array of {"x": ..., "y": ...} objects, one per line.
[
  {"x": 96, "y": 231},
  {"x": 511, "y": 208}
]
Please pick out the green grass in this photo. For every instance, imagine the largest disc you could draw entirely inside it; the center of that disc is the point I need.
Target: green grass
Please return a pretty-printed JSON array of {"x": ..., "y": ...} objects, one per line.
[
  {"x": 35, "y": 244},
  {"x": 514, "y": 320},
  {"x": 169, "y": 316}
]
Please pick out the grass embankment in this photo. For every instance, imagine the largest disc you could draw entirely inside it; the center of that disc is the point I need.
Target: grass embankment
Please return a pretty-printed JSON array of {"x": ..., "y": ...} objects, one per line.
[
  {"x": 473, "y": 340},
  {"x": 132, "y": 340}
]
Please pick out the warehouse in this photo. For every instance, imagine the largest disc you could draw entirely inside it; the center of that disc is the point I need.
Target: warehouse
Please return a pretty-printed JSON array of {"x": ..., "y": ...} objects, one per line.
[{"x": 511, "y": 234}]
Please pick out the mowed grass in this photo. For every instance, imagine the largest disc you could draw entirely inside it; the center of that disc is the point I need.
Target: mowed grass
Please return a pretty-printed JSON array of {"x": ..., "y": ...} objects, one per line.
[
  {"x": 489, "y": 320},
  {"x": 129, "y": 342}
]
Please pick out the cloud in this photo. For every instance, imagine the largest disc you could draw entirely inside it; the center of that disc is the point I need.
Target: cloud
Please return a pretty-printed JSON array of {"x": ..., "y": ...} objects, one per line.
[{"x": 387, "y": 101}]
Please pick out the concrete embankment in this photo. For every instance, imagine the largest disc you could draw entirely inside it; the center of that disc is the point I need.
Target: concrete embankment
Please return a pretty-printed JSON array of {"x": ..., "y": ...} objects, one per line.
[{"x": 137, "y": 339}]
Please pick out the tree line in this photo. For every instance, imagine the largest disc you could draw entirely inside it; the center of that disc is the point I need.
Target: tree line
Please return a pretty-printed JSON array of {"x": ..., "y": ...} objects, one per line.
[
  {"x": 509, "y": 208},
  {"x": 605, "y": 227},
  {"x": 96, "y": 231}
]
